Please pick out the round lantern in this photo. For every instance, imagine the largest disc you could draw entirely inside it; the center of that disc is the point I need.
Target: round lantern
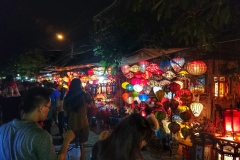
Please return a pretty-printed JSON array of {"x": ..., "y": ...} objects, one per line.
[
  {"x": 185, "y": 116},
  {"x": 130, "y": 100},
  {"x": 129, "y": 87},
  {"x": 84, "y": 79},
  {"x": 196, "y": 67},
  {"x": 125, "y": 69},
  {"x": 129, "y": 75},
  {"x": 138, "y": 74},
  {"x": 90, "y": 72},
  {"x": 158, "y": 72},
  {"x": 197, "y": 89},
  {"x": 135, "y": 81},
  {"x": 137, "y": 88},
  {"x": 147, "y": 75},
  {"x": 94, "y": 77},
  {"x": 152, "y": 67},
  {"x": 174, "y": 127},
  {"x": 143, "y": 82},
  {"x": 135, "y": 94},
  {"x": 135, "y": 68},
  {"x": 169, "y": 75},
  {"x": 124, "y": 84},
  {"x": 143, "y": 97},
  {"x": 125, "y": 96},
  {"x": 196, "y": 108},
  {"x": 165, "y": 65},
  {"x": 174, "y": 87},
  {"x": 137, "y": 99}
]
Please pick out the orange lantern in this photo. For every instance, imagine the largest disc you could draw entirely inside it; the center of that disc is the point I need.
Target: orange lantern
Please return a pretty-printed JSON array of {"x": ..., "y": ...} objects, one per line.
[
  {"x": 125, "y": 96},
  {"x": 196, "y": 68}
]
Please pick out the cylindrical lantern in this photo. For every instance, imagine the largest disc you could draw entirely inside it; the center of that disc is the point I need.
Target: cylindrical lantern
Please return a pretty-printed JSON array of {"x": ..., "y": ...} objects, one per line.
[
  {"x": 143, "y": 97},
  {"x": 197, "y": 89},
  {"x": 231, "y": 121},
  {"x": 196, "y": 67},
  {"x": 137, "y": 88},
  {"x": 196, "y": 108}
]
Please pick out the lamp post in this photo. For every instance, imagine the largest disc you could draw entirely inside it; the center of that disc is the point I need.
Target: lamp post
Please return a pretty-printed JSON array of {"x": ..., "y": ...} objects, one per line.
[{"x": 61, "y": 37}]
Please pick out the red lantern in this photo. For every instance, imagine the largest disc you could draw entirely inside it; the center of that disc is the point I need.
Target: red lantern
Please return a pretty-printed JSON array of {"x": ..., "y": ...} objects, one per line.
[
  {"x": 90, "y": 72},
  {"x": 143, "y": 82},
  {"x": 196, "y": 67},
  {"x": 174, "y": 87},
  {"x": 147, "y": 75},
  {"x": 135, "y": 81},
  {"x": 158, "y": 72},
  {"x": 231, "y": 121},
  {"x": 153, "y": 67},
  {"x": 146, "y": 63},
  {"x": 138, "y": 74}
]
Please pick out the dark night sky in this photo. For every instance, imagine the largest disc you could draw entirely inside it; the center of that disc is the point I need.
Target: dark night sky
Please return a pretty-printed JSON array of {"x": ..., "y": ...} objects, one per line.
[{"x": 29, "y": 24}]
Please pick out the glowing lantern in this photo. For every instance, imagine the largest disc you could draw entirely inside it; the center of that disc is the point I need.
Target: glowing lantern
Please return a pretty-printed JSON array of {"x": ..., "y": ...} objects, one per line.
[
  {"x": 165, "y": 65},
  {"x": 94, "y": 77},
  {"x": 152, "y": 67},
  {"x": 135, "y": 68},
  {"x": 174, "y": 87},
  {"x": 138, "y": 75},
  {"x": 130, "y": 100},
  {"x": 129, "y": 75},
  {"x": 137, "y": 88},
  {"x": 231, "y": 121},
  {"x": 129, "y": 87},
  {"x": 180, "y": 83},
  {"x": 135, "y": 94},
  {"x": 169, "y": 75},
  {"x": 125, "y": 69},
  {"x": 137, "y": 99},
  {"x": 147, "y": 75},
  {"x": 143, "y": 82},
  {"x": 155, "y": 89},
  {"x": 197, "y": 89},
  {"x": 143, "y": 65},
  {"x": 84, "y": 79},
  {"x": 124, "y": 84},
  {"x": 125, "y": 96},
  {"x": 90, "y": 72},
  {"x": 220, "y": 86},
  {"x": 158, "y": 72},
  {"x": 143, "y": 97},
  {"x": 147, "y": 89},
  {"x": 196, "y": 68},
  {"x": 177, "y": 63},
  {"x": 196, "y": 108},
  {"x": 135, "y": 81}
]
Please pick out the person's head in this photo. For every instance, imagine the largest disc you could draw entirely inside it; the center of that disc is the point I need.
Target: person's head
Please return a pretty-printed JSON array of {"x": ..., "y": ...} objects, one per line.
[
  {"x": 37, "y": 98},
  {"x": 75, "y": 85},
  {"x": 50, "y": 85},
  {"x": 9, "y": 78},
  {"x": 126, "y": 140},
  {"x": 148, "y": 110}
]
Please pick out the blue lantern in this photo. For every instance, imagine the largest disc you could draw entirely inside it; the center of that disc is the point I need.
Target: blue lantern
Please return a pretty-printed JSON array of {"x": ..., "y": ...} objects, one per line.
[
  {"x": 143, "y": 97},
  {"x": 129, "y": 87}
]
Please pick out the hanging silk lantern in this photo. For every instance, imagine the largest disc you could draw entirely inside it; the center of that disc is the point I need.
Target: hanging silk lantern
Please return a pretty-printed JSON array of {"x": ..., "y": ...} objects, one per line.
[
  {"x": 158, "y": 72},
  {"x": 125, "y": 96},
  {"x": 197, "y": 89},
  {"x": 183, "y": 91},
  {"x": 182, "y": 108},
  {"x": 135, "y": 81},
  {"x": 164, "y": 82},
  {"x": 177, "y": 63},
  {"x": 165, "y": 65},
  {"x": 174, "y": 87},
  {"x": 125, "y": 69},
  {"x": 130, "y": 100},
  {"x": 180, "y": 83},
  {"x": 160, "y": 94},
  {"x": 169, "y": 75},
  {"x": 138, "y": 74},
  {"x": 147, "y": 89},
  {"x": 84, "y": 79},
  {"x": 143, "y": 97},
  {"x": 156, "y": 88},
  {"x": 135, "y": 68},
  {"x": 152, "y": 67},
  {"x": 135, "y": 94},
  {"x": 94, "y": 77},
  {"x": 90, "y": 72},
  {"x": 137, "y": 88},
  {"x": 129, "y": 87},
  {"x": 143, "y": 82},
  {"x": 147, "y": 75},
  {"x": 143, "y": 65},
  {"x": 196, "y": 108},
  {"x": 196, "y": 67},
  {"x": 124, "y": 84},
  {"x": 129, "y": 75}
]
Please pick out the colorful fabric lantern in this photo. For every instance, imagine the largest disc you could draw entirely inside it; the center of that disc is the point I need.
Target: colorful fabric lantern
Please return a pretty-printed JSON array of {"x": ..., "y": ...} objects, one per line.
[
  {"x": 143, "y": 97},
  {"x": 143, "y": 65},
  {"x": 84, "y": 79},
  {"x": 196, "y": 108},
  {"x": 147, "y": 75},
  {"x": 135, "y": 68},
  {"x": 90, "y": 72},
  {"x": 158, "y": 72},
  {"x": 137, "y": 99},
  {"x": 180, "y": 83},
  {"x": 125, "y": 69},
  {"x": 129, "y": 87},
  {"x": 231, "y": 121},
  {"x": 138, "y": 74},
  {"x": 135, "y": 94},
  {"x": 169, "y": 75},
  {"x": 143, "y": 82},
  {"x": 129, "y": 75},
  {"x": 137, "y": 88},
  {"x": 156, "y": 88},
  {"x": 152, "y": 67},
  {"x": 197, "y": 89},
  {"x": 196, "y": 67},
  {"x": 165, "y": 65},
  {"x": 135, "y": 81},
  {"x": 164, "y": 82},
  {"x": 125, "y": 96},
  {"x": 160, "y": 94},
  {"x": 94, "y": 77},
  {"x": 147, "y": 89},
  {"x": 124, "y": 84},
  {"x": 174, "y": 87},
  {"x": 177, "y": 63},
  {"x": 130, "y": 100}
]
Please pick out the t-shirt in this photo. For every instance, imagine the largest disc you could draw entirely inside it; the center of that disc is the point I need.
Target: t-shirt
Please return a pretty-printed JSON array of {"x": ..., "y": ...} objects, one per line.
[
  {"x": 55, "y": 95},
  {"x": 25, "y": 140}
]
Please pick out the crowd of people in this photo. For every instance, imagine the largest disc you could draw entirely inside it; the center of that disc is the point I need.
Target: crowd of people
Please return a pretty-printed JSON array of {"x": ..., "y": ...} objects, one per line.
[{"x": 26, "y": 129}]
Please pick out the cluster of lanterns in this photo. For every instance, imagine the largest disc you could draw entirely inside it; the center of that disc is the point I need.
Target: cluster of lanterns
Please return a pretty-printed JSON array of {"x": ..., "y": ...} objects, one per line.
[{"x": 171, "y": 90}]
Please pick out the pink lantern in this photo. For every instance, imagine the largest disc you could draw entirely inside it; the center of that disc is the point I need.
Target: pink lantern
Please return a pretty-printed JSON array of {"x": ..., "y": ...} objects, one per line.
[
  {"x": 138, "y": 75},
  {"x": 152, "y": 67},
  {"x": 196, "y": 67},
  {"x": 135, "y": 81},
  {"x": 125, "y": 69},
  {"x": 147, "y": 75}
]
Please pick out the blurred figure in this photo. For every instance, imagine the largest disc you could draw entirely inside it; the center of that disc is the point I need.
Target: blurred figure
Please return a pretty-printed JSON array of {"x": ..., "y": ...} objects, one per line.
[
  {"x": 25, "y": 139},
  {"x": 76, "y": 103},
  {"x": 151, "y": 118},
  {"x": 10, "y": 100},
  {"x": 125, "y": 141}
]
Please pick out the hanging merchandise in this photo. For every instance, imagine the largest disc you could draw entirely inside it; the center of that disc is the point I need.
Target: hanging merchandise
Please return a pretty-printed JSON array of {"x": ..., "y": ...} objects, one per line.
[
  {"x": 143, "y": 97},
  {"x": 147, "y": 89},
  {"x": 129, "y": 75},
  {"x": 135, "y": 81},
  {"x": 169, "y": 75},
  {"x": 173, "y": 87},
  {"x": 138, "y": 75},
  {"x": 196, "y": 68},
  {"x": 135, "y": 94},
  {"x": 129, "y": 100},
  {"x": 125, "y": 96},
  {"x": 124, "y": 84},
  {"x": 143, "y": 65},
  {"x": 174, "y": 127},
  {"x": 129, "y": 87},
  {"x": 137, "y": 88},
  {"x": 165, "y": 65},
  {"x": 135, "y": 68},
  {"x": 185, "y": 116},
  {"x": 196, "y": 108},
  {"x": 160, "y": 94},
  {"x": 152, "y": 67},
  {"x": 125, "y": 69},
  {"x": 90, "y": 72},
  {"x": 147, "y": 75},
  {"x": 177, "y": 63}
]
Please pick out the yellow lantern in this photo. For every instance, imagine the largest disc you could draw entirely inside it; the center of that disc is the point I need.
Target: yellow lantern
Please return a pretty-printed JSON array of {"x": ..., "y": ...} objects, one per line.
[
  {"x": 124, "y": 84},
  {"x": 196, "y": 108},
  {"x": 135, "y": 68},
  {"x": 182, "y": 108},
  {"x": 197, "y": 89}
]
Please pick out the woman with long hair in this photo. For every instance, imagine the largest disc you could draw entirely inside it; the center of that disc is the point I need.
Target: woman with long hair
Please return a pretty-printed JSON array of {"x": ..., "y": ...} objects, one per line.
[
  {"x": 76, "y": 103},
  {"x": 125, "y": 141}
]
